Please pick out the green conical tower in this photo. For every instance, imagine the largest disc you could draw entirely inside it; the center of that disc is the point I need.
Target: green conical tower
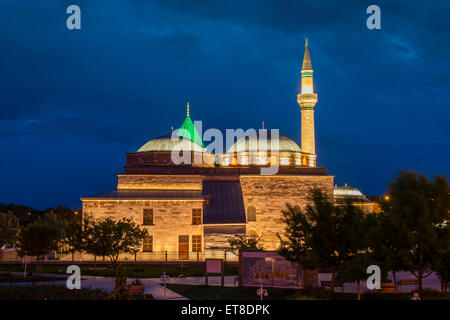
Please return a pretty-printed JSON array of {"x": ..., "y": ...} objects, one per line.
[{"x": 188, "y": 130}]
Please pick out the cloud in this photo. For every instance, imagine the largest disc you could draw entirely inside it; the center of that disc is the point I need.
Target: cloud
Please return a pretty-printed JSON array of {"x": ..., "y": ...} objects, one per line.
[{"x": 126, "y": 76}]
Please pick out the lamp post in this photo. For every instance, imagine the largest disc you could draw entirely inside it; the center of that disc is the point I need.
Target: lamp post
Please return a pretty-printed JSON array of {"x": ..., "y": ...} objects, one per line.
[
  {"x": 25, "y": 260},
  {"x": 165, "y": 278}
]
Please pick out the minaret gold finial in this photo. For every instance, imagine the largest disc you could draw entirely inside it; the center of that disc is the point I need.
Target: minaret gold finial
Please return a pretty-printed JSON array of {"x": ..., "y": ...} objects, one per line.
[
  {"x": 187, "y": 114},
  {"x": 306, "y": 58}
]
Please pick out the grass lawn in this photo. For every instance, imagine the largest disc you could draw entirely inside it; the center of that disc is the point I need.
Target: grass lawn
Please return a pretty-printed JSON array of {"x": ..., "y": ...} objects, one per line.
[
  {"x": 44, "y": 292},
  {"x": 8, "y": 277},
  {"x": 227, "y": 293},
  {"x": 52, "y": 292},
  {"x": 152, "y": 271}
]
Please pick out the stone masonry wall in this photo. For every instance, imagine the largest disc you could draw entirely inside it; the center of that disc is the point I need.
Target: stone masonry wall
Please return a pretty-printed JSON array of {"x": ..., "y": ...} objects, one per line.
[
  {"x": 269, "y": 195},
  {"x": 190, "y": 182},
  {"x": 170, "y": 218}
]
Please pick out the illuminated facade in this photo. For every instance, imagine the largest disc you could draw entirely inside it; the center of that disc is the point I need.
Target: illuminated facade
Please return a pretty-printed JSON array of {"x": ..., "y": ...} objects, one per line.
[{"x": 191, "y": 209}]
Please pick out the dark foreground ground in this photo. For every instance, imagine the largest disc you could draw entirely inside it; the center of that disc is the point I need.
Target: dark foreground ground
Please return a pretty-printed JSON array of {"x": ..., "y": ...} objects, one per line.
[
  {"x": 228, "y": 293},
  {"x": 132, "y": 271}
]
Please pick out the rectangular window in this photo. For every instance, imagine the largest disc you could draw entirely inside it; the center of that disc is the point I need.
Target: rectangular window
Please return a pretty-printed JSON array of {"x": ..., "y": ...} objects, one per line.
[
  {"x": 148, "y": 217},
  {"x": 197, "y": 243},
  {"x": 148, "y": 244},
  {"x": 196, "y": 216}
]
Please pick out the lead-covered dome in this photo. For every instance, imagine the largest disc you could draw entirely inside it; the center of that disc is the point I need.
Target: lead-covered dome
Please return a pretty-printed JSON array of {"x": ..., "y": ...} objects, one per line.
[
  {"x": 347, "y": 191},
  {"x": 167, "y": 143},
  {"x": 258, "y": 142}
]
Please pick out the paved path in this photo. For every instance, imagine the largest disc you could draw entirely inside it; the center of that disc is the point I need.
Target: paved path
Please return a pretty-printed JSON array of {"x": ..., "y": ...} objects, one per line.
[
  {"x": 229, "y": 281},
  {"x": 152, "y": 285}
]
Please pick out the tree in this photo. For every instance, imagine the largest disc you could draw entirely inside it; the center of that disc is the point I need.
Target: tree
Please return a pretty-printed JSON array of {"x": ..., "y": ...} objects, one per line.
[
  {"x": 63, "y": 213},
  {"x": 313, "y": 240},
  {"x": 353, "y": 247},
  {"x": 386, "y": 243},
  {"x": 354, "y": 270},
  {"x": 25, "y": 214},
  {"x": 325, "y": 236},
  {"x": 241, "y": 242},
  {"x": 40, "y": 238},
  {"x": 109, "y": 238},
  {"x": 121, "y": 291},
  {"x": 442, "y": 262},
  {"x": 9, "y": 227},
  {"x": 418, "y": 208},
  {"x": 75, "y": 237},
  {"x": 296, "y": 243}
]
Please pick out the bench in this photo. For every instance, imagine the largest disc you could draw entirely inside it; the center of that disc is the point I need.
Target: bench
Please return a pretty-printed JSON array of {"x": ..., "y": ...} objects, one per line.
[
  {"x": 408, "y": 282},
  {"x": 328, "y": 284}
]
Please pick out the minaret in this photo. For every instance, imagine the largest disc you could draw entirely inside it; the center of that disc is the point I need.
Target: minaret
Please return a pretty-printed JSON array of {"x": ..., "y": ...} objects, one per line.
[{"x": 307, "y": 99}]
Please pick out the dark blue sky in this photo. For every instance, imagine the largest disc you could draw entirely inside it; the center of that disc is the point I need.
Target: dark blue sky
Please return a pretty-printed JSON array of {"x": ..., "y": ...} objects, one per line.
[{"x": 74, "y": 102}]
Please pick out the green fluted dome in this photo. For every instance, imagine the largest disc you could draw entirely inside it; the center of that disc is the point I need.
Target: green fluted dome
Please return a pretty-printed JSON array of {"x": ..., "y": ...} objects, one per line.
[
  {"x": 165, "y": 143},
  {"x": 189, "y": 139},
  {"x": 189, "y": 131}
]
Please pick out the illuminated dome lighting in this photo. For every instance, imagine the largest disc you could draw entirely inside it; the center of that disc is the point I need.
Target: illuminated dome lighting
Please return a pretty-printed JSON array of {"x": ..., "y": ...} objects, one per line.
[
  {"x": 254, "y": 143},
  {"x": 165, "y": 143},
  {"x": 347, "y": 191}
]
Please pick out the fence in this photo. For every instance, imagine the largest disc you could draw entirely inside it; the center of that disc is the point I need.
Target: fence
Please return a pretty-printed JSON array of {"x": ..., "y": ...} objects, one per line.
[{"x": 158, "y": 256}]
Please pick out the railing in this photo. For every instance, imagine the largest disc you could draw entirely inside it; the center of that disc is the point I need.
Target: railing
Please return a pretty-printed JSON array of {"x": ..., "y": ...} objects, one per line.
[{"x": 157, "y": 256}]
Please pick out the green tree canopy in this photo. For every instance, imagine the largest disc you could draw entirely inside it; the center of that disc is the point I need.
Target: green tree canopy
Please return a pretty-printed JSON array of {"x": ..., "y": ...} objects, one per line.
[
  {"x": 110, "y": 238},
  {"x": 9, "y": 227},
  {"x": 240, "y": 242},
  {"x": 418, "y": 209},
  {"x": 324, "y": 236},
  {"x": 40, "y": 237}
]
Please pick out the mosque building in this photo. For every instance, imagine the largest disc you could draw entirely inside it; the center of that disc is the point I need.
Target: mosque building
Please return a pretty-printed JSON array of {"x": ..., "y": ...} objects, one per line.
[{"x": 191, "y": 209}]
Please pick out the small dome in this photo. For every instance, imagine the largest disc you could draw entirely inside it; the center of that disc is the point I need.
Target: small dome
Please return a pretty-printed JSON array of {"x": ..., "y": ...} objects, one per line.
[
  {"x": 255, "y": 143},
  {"x": 165, "y": 143},
  {"x": 347, "y": 191}
]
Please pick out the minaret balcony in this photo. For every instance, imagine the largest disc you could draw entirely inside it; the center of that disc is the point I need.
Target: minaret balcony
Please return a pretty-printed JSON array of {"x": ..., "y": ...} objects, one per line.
[{"x": 307, "y": 100}]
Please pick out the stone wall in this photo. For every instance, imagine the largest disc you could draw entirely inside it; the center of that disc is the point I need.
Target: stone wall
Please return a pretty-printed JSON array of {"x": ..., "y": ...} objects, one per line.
[
  {"x": 171, "y": 219},
  {"x": 190, "y": 182},
  {"x": 216, "y": 240},
  {"x": 269, "y": 195}
]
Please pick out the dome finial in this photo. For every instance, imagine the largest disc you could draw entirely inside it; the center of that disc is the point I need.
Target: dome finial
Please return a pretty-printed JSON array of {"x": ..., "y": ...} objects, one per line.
[
  {"x": 187, "y": 114},
  {"x": 306, "y": 41}
]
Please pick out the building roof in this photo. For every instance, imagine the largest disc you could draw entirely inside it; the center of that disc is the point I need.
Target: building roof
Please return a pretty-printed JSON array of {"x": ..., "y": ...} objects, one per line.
[
  {"x": 348, "y": 192},
  {"x": 166, "y": 143},
  {"x": 148, "y": 194},
  {"x": 186, "y": 138},
  {"x": 189, "y": 131},
  {"x": 259, "y": 142},
  {"x": 227, "y": 202}
]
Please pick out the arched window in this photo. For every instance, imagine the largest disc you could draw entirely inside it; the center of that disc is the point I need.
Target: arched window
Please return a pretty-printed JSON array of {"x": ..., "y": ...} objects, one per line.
[
  {"x": 251, "y": 213},
  {"x": 297, "y": 208}
]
